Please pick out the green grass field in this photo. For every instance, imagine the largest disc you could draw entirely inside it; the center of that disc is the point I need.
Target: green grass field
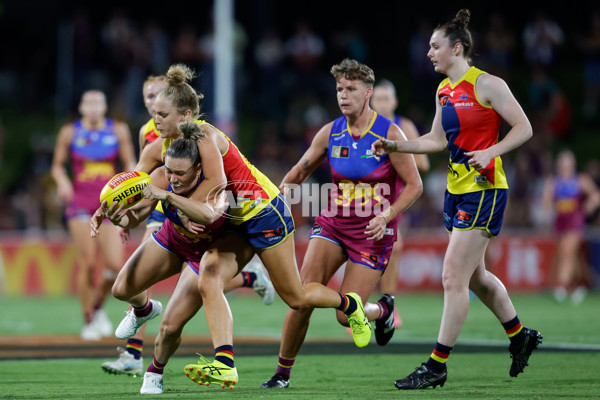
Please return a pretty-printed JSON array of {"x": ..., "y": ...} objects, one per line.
[
  {"x": 566, "y": 366},
  {"x": 315, "y": 377}
]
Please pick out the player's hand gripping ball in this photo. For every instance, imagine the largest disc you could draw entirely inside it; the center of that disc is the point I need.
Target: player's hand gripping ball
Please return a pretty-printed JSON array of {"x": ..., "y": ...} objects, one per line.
[{"x": 126, "y": 188}]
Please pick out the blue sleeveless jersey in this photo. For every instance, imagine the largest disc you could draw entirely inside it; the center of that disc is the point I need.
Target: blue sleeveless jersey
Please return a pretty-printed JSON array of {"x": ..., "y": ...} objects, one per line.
[
  {"x": 364, "y": 185},
  {"x": 94, "y": 158}
]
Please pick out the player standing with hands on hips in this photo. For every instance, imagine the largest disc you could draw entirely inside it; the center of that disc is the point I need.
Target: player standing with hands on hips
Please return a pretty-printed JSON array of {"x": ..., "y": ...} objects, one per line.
[{"x": 470, "y": 105}]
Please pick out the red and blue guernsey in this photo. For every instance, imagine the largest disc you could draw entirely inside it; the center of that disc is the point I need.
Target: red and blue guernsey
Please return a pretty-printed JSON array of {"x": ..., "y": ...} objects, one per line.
[
  {"x": 94, "y": 156},
  {"x": 364, "y": 185},
  {"x": 469, "y": 126}
]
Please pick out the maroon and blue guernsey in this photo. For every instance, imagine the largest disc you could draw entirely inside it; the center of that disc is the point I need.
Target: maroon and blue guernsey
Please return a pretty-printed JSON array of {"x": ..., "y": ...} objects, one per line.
[
  {"x": 364, "y": 186},
  {"x": 94, "y": 156},
  {"x": 175, "y": 238}
]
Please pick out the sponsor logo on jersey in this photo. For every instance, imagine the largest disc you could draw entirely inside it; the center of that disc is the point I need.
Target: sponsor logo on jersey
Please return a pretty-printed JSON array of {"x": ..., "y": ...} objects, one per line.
[{"x": 340, "y": 151}]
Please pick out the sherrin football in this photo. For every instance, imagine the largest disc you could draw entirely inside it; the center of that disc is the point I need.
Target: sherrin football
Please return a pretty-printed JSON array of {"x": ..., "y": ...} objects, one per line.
[{"x": 126, "y": 188}]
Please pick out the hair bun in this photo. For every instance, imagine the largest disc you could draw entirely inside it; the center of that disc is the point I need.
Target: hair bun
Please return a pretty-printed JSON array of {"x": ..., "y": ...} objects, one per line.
[{"x": 463, "y": 17}]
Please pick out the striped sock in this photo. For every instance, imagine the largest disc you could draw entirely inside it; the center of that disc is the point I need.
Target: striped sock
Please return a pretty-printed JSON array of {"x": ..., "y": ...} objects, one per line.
[
  {"x": 249, "y": 278},
  {"x": 156, "y": 367},
  {"x": 224, "y": 354},
  {"x": 513, "y": 329},
  {"x": 284, "y": 367},
  {"x": 134, "y": 347},
  {"x": 143, "y": 310},
  {"x": 348, "y": 304},
  {"x": 439, "y": 356},
  {"x": 383, "y": 310}
]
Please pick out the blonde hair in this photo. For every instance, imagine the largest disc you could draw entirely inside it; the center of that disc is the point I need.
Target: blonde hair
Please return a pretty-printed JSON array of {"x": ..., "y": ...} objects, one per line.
[
  {"x": 353, "y": 70},
  {"x": 154, "y": 78},
  {"x": 182, "y": 94}
]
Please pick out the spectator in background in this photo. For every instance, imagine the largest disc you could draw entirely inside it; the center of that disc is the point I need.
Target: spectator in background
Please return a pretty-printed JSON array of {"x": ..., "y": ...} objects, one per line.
[
  {"x": 185, "y": 49},
  {"x": 590, "y": 46},
  {"x": 423, "y": 77},
  {"x": 206, "y": 44},
  {"x": 570, "y": 196},
  {"x": 156, "y": 47},
  {"x": 542, "y": 37},
  {"x": 550, "y": 107},
  {"x": 95, "y": 145},
  {"x": 84, "y": 48},
  {"x": 305, "y": 50},
  {"x": 269, "y": 56},
  {"x": 499, "y": 42},
  {"x": 348, "y": 42},
  {"x": 126, "y": 58}
]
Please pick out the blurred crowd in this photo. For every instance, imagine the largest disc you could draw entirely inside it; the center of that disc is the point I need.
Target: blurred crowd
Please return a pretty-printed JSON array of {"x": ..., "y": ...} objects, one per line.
[{"x": 285, "y": 93}]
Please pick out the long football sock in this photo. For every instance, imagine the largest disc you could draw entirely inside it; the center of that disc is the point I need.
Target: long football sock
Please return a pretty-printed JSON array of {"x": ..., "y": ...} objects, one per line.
[
  {"x": 134, "y": 347},
  {"x": 514, "y": 330},
  {"x": 348, "y": 304},
  {"x": 224, "y": 354},
  {"x": 284, "y": 367},
  {"x": 156, "y": 367},
  {"x": 438, "y": 357}
]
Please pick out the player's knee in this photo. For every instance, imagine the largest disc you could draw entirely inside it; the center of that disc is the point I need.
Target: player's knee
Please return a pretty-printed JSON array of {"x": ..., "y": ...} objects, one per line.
[
  {"x": 119, "y": 290},
  {"x": 451, "y": 282},
  {"x": 209, "y": 266},
  {"x": 168, "y": 331},
  {"x": 297, "y": 303}
]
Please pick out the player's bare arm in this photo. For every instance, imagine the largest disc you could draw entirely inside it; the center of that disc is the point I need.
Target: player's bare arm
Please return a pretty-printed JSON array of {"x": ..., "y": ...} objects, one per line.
[
  {"x": 126, "y": 152},
  {"x": 58, "y": 170},
  {"x": 406, "y": 168},
  {"x": 431, "y": 142},
  {"x": 310, "y": 160},
  {"x": 150, "y": 157},
  {"x": 494, "y": 92}
]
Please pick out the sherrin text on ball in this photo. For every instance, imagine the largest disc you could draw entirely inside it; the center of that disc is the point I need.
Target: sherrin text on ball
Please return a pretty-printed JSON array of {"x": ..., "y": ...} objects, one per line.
[{"x": 126, "y": 188}]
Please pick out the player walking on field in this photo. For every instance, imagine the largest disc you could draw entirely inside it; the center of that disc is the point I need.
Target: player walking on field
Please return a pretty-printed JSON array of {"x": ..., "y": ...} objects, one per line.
[{"x": 470, "y": 105}]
